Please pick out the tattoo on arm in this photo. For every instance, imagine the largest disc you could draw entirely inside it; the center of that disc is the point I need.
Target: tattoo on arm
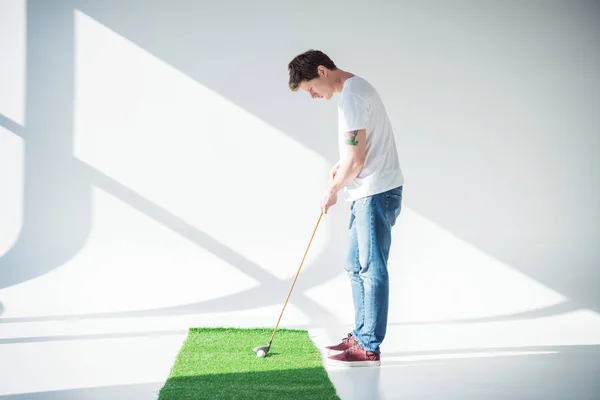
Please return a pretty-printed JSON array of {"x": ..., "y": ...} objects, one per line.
[{"x": 351, "y": 138}]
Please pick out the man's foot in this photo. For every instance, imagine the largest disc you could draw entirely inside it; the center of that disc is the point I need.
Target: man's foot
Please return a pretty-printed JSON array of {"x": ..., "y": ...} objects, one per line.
[
  {"x": 355, "y": 356},
  {"x": 346, "y": 343}
]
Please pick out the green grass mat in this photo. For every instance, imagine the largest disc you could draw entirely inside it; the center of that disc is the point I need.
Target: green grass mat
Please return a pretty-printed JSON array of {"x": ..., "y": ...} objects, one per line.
[{"x": 218, "y": 363}]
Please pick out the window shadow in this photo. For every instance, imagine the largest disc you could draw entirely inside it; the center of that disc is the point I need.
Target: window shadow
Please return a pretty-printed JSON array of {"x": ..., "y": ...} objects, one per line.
[
  {"x": 12, "y": 126},
  {"x": 57, "y": 205},
  {"x": 57, "y": 208},
  {"x": 274, "y": 384},
  {"x": 563, "y": 372},
  {"x": 57, "y": 190},
  {"x": 506, "y": 223},
  {"x": 133, "y": 391},
  {"x": 272, "y": 290}
]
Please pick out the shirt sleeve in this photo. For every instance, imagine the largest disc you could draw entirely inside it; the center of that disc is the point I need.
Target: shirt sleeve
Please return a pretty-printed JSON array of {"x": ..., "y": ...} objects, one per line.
[{"x": 354, "y": 113}]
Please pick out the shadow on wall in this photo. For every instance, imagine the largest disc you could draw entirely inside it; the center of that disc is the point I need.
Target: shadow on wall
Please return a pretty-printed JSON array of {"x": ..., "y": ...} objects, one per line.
[
  {"x": 482, "y": 168},
  {"x": 56, "y": 212},
  {"x": 58, "y": 187}
]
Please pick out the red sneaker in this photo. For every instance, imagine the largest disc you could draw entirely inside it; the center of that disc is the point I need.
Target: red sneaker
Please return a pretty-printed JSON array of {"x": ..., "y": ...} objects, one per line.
[
  {"x": 346, "y": 343},
  {"x": 355, "y": 356}
]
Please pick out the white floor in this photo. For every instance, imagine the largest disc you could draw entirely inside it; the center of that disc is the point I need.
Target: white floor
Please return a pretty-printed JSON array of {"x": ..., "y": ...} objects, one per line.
[
  {"x": 130, "y": 358},
  {"x": 568, "y": 372}
]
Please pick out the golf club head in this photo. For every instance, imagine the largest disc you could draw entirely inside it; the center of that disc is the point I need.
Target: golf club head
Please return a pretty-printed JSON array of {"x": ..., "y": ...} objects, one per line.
[{"x": 263, "y": 348}]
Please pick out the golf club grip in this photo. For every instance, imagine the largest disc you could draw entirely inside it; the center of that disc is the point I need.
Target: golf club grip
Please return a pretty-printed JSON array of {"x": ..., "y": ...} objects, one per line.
[{"x": 297, "y": 273}]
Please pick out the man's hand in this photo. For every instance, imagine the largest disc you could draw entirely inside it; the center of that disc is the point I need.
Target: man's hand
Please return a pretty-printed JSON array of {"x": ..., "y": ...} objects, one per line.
[{"x": 329, "y": 199}]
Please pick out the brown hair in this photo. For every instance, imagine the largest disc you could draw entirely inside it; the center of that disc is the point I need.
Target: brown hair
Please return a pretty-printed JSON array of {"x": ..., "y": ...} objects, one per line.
[{"x": 304, "y": 67}]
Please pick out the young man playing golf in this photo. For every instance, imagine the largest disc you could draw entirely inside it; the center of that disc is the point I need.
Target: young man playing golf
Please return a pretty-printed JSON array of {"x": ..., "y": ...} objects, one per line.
[{"x": 369, "y": 171}]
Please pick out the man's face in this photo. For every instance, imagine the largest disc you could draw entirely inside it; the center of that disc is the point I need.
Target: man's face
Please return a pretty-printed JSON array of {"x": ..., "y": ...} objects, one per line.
[{"x": 320, "y": 87}]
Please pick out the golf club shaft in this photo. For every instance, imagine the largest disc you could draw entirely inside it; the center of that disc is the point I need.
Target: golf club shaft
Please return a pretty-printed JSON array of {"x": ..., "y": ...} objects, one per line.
[{"x": 297, "y": 273}]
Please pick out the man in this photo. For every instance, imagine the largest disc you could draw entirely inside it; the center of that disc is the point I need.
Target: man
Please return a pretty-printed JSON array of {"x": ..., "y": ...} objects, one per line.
[{"x": 369, "y": 172}]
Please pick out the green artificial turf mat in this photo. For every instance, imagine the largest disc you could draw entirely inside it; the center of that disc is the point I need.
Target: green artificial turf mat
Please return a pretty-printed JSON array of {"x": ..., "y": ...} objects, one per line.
[{"x": 218, "y": 363}]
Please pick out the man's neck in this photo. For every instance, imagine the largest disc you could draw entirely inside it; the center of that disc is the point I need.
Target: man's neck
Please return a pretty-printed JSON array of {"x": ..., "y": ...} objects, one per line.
[{"x": 340, "y": 78}]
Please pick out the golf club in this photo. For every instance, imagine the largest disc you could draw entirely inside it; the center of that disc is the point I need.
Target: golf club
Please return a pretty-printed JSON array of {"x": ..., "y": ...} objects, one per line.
[{"x": 265, "y": 349}]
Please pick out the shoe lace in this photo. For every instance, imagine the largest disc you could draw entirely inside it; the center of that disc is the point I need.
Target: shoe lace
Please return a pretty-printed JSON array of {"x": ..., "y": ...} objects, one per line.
[
  {"x": 346, "y": 339},
  {"x": 354, "y": 348}
]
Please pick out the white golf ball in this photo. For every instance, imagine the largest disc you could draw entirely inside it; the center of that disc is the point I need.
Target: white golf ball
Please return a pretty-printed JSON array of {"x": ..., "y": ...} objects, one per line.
[{"x": 260, "y": 353}]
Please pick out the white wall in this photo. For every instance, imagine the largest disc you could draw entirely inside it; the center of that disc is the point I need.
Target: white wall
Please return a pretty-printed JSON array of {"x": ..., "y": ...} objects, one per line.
[{"x": 156, "y": 170}]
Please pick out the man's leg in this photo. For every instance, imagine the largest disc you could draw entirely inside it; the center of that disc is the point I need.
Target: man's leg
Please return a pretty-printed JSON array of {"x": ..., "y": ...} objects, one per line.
[
  {"x": 374, "y": 218},
  {"x": 352, "y": 267}
]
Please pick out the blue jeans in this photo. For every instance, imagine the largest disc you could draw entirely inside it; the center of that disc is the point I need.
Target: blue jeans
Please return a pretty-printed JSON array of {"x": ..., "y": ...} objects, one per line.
[{"x": 369, "y": 242}]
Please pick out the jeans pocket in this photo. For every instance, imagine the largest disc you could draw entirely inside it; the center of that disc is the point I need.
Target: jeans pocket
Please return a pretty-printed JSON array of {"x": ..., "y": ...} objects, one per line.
[
  {"x": 393, "y": 200},
  {"x": 396, "y": 192}
]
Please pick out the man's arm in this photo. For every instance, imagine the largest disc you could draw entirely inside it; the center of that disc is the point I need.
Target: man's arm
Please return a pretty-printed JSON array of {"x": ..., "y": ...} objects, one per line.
[
  {"x": 352, "y": 162},
  {"x": 349, "y": 166},
  {"x": 334, "y": 170}
]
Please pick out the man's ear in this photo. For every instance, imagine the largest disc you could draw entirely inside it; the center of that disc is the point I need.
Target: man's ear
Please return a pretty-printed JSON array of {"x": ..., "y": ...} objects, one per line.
[{"x": 322, "y": 70}]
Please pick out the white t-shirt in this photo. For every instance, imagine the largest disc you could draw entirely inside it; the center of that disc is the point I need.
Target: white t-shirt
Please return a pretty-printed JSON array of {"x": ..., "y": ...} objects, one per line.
[{"x": 360, "y": 107}]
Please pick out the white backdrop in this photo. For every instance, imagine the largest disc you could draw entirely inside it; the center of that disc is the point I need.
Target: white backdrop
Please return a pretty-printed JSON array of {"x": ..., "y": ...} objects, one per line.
[{"x": 156, "y": 171}]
